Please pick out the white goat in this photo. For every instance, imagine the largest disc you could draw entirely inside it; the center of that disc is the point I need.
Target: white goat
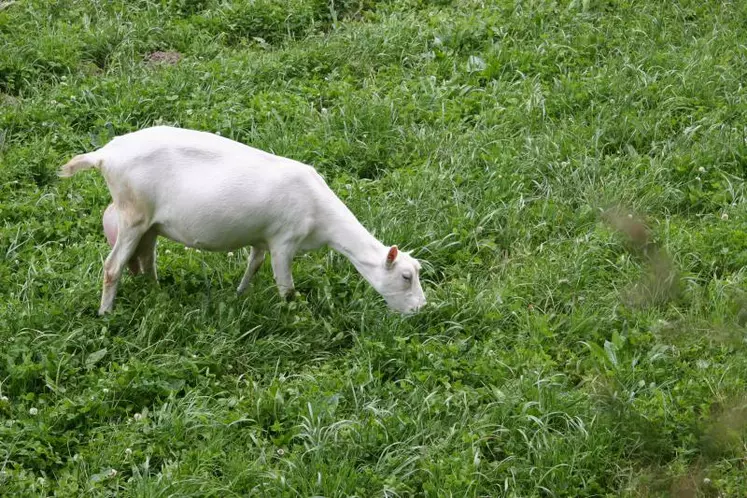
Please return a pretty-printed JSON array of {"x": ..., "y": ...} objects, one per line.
[{"x": 212, "y": 193}]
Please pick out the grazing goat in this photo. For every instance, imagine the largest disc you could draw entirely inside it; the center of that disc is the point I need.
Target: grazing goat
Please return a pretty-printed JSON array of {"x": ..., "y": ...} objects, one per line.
[{"x": 208, "y": 192}]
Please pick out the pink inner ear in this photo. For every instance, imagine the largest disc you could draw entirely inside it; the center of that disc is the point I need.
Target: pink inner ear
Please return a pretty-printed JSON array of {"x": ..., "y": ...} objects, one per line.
[{"x": 393, "y": 251}]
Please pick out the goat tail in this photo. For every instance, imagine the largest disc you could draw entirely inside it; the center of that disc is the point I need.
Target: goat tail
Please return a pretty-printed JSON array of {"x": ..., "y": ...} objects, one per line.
[{"x": 79, "y": 162}]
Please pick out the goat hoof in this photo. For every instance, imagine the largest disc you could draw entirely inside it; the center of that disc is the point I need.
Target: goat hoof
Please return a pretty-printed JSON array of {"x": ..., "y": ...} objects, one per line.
[{"x": 289, "y": 296}]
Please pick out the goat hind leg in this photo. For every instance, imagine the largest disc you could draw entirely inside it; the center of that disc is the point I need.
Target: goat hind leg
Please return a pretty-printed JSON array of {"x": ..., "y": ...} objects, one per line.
[
  {"x": 110, "y": 222},
  {"x": 256, "y": 258},
  {"x": 124, "y": 249},
  {"x": 146, "y": 254}
]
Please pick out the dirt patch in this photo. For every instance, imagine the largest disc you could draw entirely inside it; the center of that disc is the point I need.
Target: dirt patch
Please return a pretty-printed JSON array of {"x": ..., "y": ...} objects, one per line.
[
  {"x": 168, "y": 58},
  {"x": 9, "y": 100}
]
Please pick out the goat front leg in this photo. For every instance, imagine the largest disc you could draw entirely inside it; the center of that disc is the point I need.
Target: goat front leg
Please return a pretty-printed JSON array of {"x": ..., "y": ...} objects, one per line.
[
  {"x": 124, "y": 249},
  {"x": 256, "y": 258},
  {"x": 282, "y": 259}
]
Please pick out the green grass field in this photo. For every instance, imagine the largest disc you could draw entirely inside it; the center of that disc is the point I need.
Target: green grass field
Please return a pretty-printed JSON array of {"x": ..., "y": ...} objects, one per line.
[{"x": 571, "y": 174}]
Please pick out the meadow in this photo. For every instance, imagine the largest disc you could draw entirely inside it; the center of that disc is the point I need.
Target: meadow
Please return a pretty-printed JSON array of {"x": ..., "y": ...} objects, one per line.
[{"x": 569, "y": 172}]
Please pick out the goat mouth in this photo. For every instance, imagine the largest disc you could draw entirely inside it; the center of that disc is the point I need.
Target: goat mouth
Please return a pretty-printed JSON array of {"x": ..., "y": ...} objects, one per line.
[{"x": 408, "y": 311}]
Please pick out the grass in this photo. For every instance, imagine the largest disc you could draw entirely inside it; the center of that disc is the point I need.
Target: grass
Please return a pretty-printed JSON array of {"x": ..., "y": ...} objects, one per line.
[{"x": 571, "y": 173}]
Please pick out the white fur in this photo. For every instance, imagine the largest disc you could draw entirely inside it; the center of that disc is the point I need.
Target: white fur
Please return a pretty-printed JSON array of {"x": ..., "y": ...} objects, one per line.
[{"x": 212, "y": 193}]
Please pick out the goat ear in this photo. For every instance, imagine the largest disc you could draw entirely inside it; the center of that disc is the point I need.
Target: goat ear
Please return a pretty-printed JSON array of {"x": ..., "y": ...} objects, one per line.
[{"x": 391, "y": 256}]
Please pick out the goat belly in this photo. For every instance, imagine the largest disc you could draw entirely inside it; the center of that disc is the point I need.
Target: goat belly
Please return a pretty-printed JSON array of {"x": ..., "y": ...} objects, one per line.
[
  {"x": 212, "y": 230},
  {"x": 235, "y": 207}
]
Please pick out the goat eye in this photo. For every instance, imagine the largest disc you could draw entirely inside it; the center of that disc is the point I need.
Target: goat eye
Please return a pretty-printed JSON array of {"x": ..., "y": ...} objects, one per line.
[{"x": 407, "y": 277}]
